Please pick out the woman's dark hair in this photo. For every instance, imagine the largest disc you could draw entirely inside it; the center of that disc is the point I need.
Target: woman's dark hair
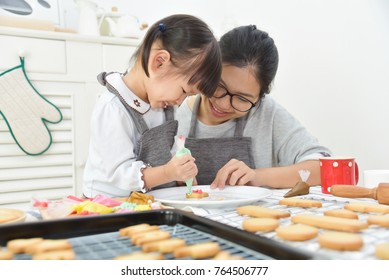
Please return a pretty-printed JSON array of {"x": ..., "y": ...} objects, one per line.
[
  {"x": 192, "y": 47},
  {"x": 246, "y": 46}
]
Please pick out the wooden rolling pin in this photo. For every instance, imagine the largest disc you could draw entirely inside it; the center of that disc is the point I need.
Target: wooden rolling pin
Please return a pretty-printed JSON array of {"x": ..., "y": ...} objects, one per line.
[{"x": 380, "y": 193}]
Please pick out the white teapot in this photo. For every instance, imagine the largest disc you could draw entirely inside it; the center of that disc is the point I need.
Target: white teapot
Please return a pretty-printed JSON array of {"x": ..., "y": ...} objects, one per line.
[{"x": 123, "y": 26}]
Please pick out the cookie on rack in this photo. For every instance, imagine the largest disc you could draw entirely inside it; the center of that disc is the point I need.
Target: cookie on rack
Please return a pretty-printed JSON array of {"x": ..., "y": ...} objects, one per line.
[
  {"x": 198, "y": 251},
  {"x": 261, "y": 212},
  {"x": 48, "y": 245},
  {"x": 341, "y": 213},
  {"x": 379, "y": 220},
  {"x": 6, "y": 255},
  {"x": 151, "y": 236},
  {"x": 366, "y": 207},
  {"x": 382, "y": 251},
  {"x": 297, "y": 232},
  {"x": 331, "y": 223},
  {"x": 67, "y": 254},
  {"x": 21, "y": 245},
  {"x": 134, "y": 229},
  {"x": 260, "y": 224},
  {"x": 340, "y": 241},
  {"x": 164, "y": 246},
  {"x": 141, "y": 256},
  {"x": 225, "y": 255},
  {"x": 299, "y": 202}
]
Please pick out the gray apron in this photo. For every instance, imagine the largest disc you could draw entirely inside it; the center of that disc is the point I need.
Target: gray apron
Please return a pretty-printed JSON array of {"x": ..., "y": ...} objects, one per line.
[
  {"x": 211, "y": 154},
  {"x": 154, "y": 145}
]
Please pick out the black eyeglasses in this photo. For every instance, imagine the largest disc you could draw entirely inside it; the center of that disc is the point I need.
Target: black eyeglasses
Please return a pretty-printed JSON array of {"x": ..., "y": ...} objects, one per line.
[{"x": 238, "y": 102}]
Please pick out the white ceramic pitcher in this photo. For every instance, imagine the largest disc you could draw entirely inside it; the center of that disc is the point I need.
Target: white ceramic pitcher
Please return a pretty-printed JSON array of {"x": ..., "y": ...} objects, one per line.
[{"x": 87, "y": 24}]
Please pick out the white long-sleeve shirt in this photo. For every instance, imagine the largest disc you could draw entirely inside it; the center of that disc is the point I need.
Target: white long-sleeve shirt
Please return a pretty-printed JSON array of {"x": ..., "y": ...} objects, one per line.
[{"x": 111, "y": 168}]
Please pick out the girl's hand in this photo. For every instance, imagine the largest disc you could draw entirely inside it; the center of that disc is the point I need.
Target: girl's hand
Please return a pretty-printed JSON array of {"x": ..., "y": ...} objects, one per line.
[
  {"x": 181, "y": 168},
  {"x": 234, "y": 172}
]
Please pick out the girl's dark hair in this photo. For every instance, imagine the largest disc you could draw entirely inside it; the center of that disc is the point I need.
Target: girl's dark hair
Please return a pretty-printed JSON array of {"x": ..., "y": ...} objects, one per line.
[
  {"x": 246, "y": 46},
  {"x": 192, "y": 47}
]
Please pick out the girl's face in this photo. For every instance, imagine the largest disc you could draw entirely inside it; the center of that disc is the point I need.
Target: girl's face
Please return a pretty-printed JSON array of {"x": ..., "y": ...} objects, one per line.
[
  {"x": 168, "y": 89},
  {"x": 242, "y": 84}
]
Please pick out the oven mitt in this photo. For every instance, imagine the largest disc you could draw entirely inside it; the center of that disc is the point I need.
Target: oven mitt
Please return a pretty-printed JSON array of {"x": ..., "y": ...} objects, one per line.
[{"x": 26, "y": 111}]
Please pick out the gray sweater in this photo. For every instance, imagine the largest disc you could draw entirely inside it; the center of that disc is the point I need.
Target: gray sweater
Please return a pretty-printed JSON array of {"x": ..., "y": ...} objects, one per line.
[{"x": 278, "y": 138}]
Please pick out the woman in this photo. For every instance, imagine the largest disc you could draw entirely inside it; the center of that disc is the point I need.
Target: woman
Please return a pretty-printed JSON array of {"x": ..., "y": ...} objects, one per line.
[{"x": 239, "y": 136}]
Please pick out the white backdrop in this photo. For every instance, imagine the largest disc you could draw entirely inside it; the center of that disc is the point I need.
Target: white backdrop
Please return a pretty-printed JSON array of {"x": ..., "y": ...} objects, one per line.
[{"x": 334, "y": 62}]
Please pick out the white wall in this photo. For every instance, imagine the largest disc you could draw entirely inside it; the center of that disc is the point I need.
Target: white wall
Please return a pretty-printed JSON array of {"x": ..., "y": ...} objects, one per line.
[{"x": 334, "y": 62}]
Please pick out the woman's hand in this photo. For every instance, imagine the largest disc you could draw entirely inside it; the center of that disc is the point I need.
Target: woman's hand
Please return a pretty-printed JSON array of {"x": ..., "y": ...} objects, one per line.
[
  {"x": 181, "y": 168},
  {"x": 234, "y": 172}
]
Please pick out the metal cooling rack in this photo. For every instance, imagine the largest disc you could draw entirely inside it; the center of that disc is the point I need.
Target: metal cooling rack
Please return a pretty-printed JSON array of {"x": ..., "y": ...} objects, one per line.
[
  {"x": 372, "y": 236},
  {"x": 105, "y": 246}
]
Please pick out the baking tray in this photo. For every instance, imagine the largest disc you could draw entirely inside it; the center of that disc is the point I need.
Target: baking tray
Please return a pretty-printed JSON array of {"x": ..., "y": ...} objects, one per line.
[{"x": 103, "y": 229}]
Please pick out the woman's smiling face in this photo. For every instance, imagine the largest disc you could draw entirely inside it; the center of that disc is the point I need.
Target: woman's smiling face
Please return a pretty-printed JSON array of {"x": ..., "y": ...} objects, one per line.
[{"x": 236, "y": 81}]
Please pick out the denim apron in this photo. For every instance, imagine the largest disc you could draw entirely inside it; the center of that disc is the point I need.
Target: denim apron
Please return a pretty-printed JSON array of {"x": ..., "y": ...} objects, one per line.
[
  {"x": 211, "y": 154},
  {"x": 154, "y": 145}
]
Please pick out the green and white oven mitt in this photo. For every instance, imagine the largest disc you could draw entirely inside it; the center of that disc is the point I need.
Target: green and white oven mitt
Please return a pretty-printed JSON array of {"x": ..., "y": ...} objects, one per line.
[{"x": 26, "y": 111}]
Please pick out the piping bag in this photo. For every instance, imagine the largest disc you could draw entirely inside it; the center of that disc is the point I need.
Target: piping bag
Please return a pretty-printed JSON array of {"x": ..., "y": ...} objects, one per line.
[
  {"x": 301, "y": 188},
  {"x": 181, "y": 150}
]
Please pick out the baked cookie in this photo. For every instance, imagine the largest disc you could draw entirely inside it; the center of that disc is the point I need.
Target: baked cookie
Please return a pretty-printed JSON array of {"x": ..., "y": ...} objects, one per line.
[
  {"x": 340, "y": 241},
  {"x": 382, "y": 251},
  {"x": 6, "y": 255},
  {"x": 299, "y": 202},
  {"x": 164, "y": 246},
  {"x": 261, "y": 212},
  {"x": 341, "y": 213},
  {"x": 379, "y": 220},
  {"x": 260, "y": 224},
  {"x": 327, "y": 222},
  {"x": 224, "y": 255},
  {"x": 366, "y": 207},
  {"x": 48, "y": 245},
  {"x": 144, "y": 237},
  {"x": 67, "y": 254},
  {"x": 131, "y": 230},
  {"x": 20, "y": 246},
  {"x": 198, "y": 251},
  {"x": 297, "y": 232},
  {"x": 141, "y": 256},
  {"x": 197, "y": 194}
]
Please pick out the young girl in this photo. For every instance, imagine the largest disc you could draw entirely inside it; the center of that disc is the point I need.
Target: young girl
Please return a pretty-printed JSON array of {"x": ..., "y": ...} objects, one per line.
[
  {"x": 132, "y": 125},
  {"x": 250, "y": 139}
]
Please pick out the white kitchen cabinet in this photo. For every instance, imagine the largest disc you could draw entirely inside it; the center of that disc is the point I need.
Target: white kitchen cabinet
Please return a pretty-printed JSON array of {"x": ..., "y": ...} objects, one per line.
[{"x": 62, "y": 67}]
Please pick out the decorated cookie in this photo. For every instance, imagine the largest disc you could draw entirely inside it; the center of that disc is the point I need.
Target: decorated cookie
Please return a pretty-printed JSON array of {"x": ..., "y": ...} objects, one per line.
[{"x": 197, "y": 194}]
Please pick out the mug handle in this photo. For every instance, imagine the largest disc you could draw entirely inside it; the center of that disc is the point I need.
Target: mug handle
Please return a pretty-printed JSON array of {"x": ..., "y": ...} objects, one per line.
[{"x": 356, "y": 173}]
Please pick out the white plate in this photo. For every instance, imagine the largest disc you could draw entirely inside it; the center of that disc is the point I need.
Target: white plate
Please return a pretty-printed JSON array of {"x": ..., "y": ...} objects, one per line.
[{"x": 229, "y": 197}]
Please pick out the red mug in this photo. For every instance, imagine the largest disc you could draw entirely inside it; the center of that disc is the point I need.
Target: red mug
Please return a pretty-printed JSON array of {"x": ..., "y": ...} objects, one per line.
[{"x": 338, "y": 171}]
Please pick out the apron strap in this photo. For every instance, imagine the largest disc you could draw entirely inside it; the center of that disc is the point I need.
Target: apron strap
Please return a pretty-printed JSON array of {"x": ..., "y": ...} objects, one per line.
[
  {"x": 169, "y": 113},
  {"x": 240, "y": 124},
  {"x": 239, "y": 127},
  {"x": 193, "y": 120}
]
